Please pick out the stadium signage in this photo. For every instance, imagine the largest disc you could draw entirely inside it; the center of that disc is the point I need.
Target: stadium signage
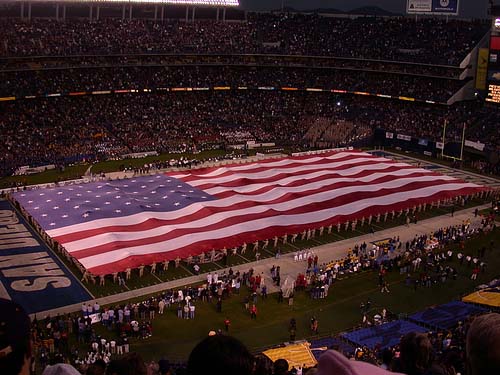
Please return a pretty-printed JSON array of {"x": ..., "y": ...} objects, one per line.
[
  {"x": 29, "y": 273},
  {"x": 443, "y": 7},
  {"x": 222, "y": 3}
]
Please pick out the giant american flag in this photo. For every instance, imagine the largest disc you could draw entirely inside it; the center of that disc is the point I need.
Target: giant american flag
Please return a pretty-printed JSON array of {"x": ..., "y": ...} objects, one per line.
[{"x": 114, "y": 225}]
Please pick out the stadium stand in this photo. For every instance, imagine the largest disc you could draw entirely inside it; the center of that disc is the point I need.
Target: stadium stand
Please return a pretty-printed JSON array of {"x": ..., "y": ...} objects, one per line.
[
  {"x": 400, "y": 39},
  {"x": 78, "y": 91}
]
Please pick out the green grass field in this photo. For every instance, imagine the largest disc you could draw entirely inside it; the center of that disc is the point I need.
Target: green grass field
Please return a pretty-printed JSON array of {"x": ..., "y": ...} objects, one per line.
[
  {"x": 77, "y": 171},
  {"x": 174, "y": 338},
  {"x": 185, "y": 270}
]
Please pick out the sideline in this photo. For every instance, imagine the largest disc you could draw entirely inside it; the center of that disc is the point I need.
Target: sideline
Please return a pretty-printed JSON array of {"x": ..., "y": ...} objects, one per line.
[{"x": 327, "y": 252}]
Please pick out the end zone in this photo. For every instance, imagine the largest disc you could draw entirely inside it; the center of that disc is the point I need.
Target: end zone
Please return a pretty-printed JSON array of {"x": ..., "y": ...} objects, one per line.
[{"x": 30, "y": 273}]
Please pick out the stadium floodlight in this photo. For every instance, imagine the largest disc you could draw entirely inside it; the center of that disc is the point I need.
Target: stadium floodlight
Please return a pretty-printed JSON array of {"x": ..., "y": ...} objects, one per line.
[{"x": 218, "y": 3}]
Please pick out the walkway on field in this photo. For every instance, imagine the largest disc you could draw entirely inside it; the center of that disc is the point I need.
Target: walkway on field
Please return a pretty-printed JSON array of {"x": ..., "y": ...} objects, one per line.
[{"x": 326, "y": 253}]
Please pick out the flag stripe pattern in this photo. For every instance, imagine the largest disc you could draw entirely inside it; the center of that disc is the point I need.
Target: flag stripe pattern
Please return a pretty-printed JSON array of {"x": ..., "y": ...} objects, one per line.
[{"x": 122, "y": 224}]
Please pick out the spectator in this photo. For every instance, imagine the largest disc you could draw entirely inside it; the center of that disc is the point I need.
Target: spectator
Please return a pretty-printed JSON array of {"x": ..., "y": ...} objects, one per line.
[
  {"x": 15, "y": 344},
  {"x": 129, "y": 364},
  {"x": 280, "y": 367},
  {"x": 222, "y": 355},
  {"x": 334, "y": 363},
  {"x": 416, "y": 354},
  {"x": 483, "y": 345}
]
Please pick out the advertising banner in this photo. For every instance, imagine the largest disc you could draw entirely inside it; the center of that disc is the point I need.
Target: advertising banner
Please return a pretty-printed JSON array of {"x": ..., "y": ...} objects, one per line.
[
  {"x": 444, "y": 7},
  {"x": 404, "y": 137},
  {"x": 482, "y": 68},
  {"x": 475, "y": 145},
  {"x": 419, "y": 6},
  {"x": 449, "y": 7}
]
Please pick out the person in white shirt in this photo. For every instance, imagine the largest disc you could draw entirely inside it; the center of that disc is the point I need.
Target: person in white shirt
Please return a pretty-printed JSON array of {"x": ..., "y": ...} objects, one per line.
[{"x": 97, "y": 308}]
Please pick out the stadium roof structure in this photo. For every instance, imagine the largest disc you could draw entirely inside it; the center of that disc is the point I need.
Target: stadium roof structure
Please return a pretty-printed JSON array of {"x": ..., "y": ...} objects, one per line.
[{"x": 215, "y": 3}]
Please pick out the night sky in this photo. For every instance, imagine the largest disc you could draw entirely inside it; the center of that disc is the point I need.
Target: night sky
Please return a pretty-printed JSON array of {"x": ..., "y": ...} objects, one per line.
[{"x": 468, "y": 8}]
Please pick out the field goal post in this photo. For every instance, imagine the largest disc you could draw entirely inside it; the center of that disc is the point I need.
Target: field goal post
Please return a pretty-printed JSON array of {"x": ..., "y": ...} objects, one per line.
[{"x": 462, "y": 144}]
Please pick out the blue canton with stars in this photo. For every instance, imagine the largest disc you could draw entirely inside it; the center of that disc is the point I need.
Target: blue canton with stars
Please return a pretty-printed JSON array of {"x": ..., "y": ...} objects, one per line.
[{"x": 67, "y": 205}]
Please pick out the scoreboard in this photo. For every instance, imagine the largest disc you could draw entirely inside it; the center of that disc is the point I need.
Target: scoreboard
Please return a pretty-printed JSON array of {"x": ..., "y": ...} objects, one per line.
[{"x": 493, "y": 79}]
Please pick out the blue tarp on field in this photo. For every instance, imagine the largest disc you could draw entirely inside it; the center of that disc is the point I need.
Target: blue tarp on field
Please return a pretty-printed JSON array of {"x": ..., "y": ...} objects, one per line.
[
  {"x": 318, "y": 347},
  {"x": 384, "y": 336},
  {"x": 446, "y": 316}
]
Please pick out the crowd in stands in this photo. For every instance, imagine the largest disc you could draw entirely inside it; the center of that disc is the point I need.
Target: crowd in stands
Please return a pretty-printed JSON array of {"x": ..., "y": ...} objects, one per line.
[
  {"x": 427, "y": 40},
  {"x": 40, "y": 83},
  {"x": 292, "y": 61},
  {"x": 66, "y": 130},
  {"x": 71, "y": 129}
]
